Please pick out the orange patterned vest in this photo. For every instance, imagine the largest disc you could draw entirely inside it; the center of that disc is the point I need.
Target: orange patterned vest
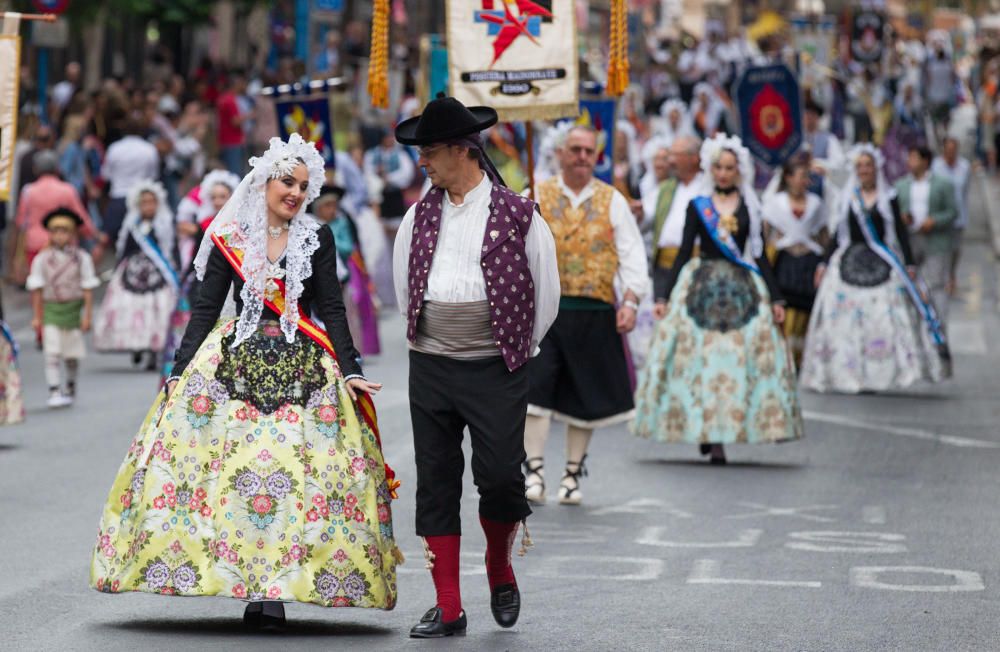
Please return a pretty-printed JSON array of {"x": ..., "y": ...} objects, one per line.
[{"x": 585, "y": 240}]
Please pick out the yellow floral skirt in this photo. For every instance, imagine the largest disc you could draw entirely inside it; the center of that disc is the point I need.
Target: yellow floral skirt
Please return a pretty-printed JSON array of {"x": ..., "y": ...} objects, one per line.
[{"x": 256, "y": 480}]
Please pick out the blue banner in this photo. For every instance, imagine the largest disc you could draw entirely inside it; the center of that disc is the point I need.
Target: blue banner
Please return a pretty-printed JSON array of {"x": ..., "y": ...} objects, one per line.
[
  {"x": 310, "y": 118},
  {"x": 770, "y": 105},
  {"x": 600, "y": 114}
]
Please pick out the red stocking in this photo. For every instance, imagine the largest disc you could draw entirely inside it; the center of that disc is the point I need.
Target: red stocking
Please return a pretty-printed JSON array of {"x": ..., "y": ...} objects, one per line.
[
  {"x": 499, "y": 545},
  {"x": 445, "y": 574}
]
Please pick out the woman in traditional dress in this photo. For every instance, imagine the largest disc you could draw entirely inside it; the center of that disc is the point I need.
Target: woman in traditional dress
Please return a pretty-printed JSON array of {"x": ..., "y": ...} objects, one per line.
[
  {"x": 871, "y": 329},
  {"x": 258, "y": 474},
  {"x": 795, "y": 237},
  {"x": 136, "y": 308},
  {"x": 718, "y": 370},
  {"x": 216, "y": 189}
]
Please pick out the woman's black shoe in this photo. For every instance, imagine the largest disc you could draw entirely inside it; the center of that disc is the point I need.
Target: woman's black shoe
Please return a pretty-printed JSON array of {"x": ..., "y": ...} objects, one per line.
[
  {"x": 431, "y": 626},
  {"x": 271, "y": 619},
  {"x": 704, "y": 449},
  {"x": 505, "y": 603}
]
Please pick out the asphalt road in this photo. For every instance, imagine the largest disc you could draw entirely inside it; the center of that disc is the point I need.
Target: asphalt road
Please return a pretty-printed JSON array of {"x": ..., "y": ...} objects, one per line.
[{"x": 879, "y": 531}]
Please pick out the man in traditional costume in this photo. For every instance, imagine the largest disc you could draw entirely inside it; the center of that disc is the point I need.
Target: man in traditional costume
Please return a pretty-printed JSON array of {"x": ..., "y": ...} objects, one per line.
[
  {"x": 476, "y": 278},
  {"x": 581, "y": 376}
]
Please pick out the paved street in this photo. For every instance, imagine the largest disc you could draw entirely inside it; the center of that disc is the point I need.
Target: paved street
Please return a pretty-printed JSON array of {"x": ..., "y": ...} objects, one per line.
[{"x": 877, "y": 532}]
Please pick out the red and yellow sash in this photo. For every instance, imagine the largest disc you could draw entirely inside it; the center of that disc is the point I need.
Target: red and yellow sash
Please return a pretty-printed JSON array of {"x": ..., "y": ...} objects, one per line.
[{"x": 276, "y": 302}]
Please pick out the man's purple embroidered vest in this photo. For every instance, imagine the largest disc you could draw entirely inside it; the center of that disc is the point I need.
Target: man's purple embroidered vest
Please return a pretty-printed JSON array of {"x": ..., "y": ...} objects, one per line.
[{"x": 509, "y": 286}]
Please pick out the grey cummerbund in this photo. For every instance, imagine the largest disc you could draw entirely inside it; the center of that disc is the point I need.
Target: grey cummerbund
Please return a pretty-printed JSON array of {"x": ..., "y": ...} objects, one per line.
[{"x": 456, "y": 330}]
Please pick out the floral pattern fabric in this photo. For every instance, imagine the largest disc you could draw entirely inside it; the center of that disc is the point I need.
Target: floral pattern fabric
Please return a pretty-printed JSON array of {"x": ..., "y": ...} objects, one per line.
[
  {"x": 866, "y": 338},
  {"x": 135, "y": 312},
  {"x": 217, "y": 497},
  {"x": 733, "y": 383},
  {"x": 11, "y": 402}
]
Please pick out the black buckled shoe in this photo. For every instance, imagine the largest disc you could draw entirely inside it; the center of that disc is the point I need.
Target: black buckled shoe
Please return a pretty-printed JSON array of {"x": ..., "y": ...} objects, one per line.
[
  {"x": 431, "y": 625},
  {"x": 505, "y": 603}
]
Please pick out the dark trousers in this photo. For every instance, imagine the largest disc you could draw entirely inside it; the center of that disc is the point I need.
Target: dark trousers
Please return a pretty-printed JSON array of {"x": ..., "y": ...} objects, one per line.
[{"x": 446, "y": 395}]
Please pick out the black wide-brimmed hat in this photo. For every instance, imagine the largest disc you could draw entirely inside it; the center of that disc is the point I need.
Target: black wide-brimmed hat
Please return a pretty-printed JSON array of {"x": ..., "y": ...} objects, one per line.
[
  {"x": 62, "y": 216},
  {"x": 444, "y": 118},
  {"x": 331, "y": 189}
]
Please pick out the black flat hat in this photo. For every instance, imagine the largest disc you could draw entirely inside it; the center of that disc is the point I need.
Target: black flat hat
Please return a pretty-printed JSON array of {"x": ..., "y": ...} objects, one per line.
[
  {"x": 62, "y": 212},
  {"x": 444, "y": 118}
]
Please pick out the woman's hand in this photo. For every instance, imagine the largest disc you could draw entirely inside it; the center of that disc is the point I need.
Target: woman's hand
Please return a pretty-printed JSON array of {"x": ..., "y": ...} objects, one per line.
[
  {"x": 355, "y": 385},
  {"x": 169, "y": 389},
  {"x": 818, "y": 276},
  {"x": 778, "y": 311},
  {"x": 660, "y": 310}
]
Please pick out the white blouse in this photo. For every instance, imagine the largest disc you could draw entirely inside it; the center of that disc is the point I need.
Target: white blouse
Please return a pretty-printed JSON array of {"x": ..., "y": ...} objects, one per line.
[{"x": 456, "y": 275}]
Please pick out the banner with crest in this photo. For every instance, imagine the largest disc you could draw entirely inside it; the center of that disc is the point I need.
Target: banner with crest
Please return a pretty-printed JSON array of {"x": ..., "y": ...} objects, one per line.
[{"x": 517, "y": 56}]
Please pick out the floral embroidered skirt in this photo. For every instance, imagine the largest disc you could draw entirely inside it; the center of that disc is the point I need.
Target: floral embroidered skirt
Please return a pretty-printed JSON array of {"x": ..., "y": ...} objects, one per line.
[
  {"x": 864, "y": 332},
  {"x": 136, "y": 308},
  {"x": 11, "y": 402},
  {"x": 256, "y": 480},
  {"x": 718, "y": 369}
]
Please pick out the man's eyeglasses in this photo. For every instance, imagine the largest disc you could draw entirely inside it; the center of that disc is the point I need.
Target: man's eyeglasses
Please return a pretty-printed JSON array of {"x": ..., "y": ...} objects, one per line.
[{"x": 427, "y": 152}]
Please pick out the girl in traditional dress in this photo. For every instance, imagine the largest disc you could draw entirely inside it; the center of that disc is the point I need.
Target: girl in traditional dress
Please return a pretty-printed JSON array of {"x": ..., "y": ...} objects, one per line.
[
  {"x": 795, "y": 236},
  {"x": 143, "y": 290},
  {"x": 258, "y": 474},
  {"x": 215, "y": 189},
  {"x": 871, "y": 329},
  {"x": 718, "y": 370}
]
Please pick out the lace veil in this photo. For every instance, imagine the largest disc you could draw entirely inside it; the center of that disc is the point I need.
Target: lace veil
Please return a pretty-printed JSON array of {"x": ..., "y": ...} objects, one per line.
[
  {"x": 163, "y": 222},
  {"x": 243, "y": 222}
]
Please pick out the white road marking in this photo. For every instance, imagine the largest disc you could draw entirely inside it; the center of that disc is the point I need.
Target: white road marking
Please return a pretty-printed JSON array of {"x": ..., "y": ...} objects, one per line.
[
  {"x": 653, "y": 536},
  {"x": 642, "y": 506},
  {"x": 915, "y": 433},
  {"x": 859, "y": 542},
  {"x": 868, "y": 577},
  {"x": 561, "y": 567},
  {"x": 767, "y": 510},
  {"x": 706, "y": 571},
  {"x": 873, "y": 514}
]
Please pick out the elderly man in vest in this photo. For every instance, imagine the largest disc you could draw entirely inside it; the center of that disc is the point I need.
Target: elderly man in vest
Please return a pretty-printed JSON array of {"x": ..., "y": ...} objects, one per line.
[
  {"x": 581, "y": 375},
  {"x": 475, "y": 274},
  {"x": 671, "y": 208}
]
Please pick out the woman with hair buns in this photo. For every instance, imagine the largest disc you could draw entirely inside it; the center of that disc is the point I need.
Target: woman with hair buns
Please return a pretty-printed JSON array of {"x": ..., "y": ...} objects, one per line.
[
  {"x": 258, "y": 473},
  {"x": 718, "y": 370}
]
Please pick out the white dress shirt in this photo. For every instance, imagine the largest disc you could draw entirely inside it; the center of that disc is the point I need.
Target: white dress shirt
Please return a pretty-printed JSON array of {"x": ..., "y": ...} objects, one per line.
[
  {"x": 128, "y": 161},
  {"x": 920, "y": 201},
  {"x": 633, "y": 270},
  {"x": 456, "y": 274},
  {"x": 673, "y": 227}
]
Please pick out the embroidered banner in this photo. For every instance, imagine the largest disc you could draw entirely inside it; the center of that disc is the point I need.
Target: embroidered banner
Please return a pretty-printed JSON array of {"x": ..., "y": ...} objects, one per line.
[
  {"x": 308, "y": 116},
  {"x": 10, "y": 66},
  {"x": 770, "y": 113},
  {"x": 517, "y": 56}
]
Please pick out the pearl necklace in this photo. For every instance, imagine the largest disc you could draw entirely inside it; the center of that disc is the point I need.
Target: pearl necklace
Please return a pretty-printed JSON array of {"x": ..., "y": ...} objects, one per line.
[{"x": 276, "y": 231}]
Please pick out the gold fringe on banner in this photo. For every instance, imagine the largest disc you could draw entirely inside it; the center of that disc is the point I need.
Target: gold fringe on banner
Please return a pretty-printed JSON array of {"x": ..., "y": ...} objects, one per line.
[
  {"x": 378, "y": 60},
  {"x": 618, "y": 67}
]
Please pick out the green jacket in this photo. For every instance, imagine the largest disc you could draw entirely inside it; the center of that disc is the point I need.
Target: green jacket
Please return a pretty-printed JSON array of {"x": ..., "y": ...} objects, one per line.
[
  {"x": 664, "y": 198},
  {"x": 942, "y": 212}
]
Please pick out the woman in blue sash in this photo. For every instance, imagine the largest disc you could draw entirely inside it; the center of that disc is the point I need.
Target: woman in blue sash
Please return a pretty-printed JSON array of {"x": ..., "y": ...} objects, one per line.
[
  {"x": 719, "y": 370},
  {"x": 257, "y": 475},
  {"x": 135, "y": 312},
  {"x": 871, "y": 329}
]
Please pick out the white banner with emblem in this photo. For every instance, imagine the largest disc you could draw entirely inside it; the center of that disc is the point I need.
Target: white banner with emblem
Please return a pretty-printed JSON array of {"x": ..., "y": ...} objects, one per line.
[
  {"x": 517, "y": 56},
  {"x": 10, "y": 65}
]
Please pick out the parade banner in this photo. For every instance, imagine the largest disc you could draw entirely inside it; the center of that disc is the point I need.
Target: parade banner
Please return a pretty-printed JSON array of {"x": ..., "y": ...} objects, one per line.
[
  {"x": 599, "y": 113},
  {"x": 517, "y": 56},
  {"x": 10, "y": 65},
  {"x": 308, "y": 116},
  {"x": 770, "y": 113},
  {"x": 867, "y": 36}
]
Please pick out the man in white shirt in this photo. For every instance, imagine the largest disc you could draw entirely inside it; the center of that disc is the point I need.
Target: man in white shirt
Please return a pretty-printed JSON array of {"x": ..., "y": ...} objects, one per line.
[
  {"x": 949, "y": 165},
  {"x": 475, "y": 273},
  {"x": 671, "y": 205},
  {"x": 581, "y": 375},
  {"x": 127, "y": 161}
]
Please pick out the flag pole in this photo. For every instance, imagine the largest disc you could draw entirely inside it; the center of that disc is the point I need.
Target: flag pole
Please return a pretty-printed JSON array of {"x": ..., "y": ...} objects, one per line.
[{"x": 45, "y": 18}]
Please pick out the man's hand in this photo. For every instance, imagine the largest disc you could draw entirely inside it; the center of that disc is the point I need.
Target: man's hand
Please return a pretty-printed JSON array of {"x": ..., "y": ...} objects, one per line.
[
  {"x": 778, "y": 311},
  {"x": 355, "y": 385},
  {"x": 818, "y": 275},
  {"x": 85, "y": 323},
  {"x": 625, "y": 320},
  {"x": 927, "y": 226},
  {"x": 635, "y": 206},
  {"x": 907, "y": 219},
  {"x": 660, "y": 309}
]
